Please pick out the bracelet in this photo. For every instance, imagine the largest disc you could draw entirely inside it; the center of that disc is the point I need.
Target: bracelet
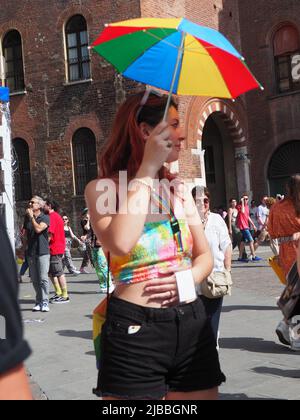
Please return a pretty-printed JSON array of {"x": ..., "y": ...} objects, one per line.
[{"x": 146, "y": 182}]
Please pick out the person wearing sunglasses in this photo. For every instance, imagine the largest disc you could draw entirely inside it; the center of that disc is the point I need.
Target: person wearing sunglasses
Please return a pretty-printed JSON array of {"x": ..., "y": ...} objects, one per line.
[
  {"x": 36, "y": 226},
  {"x": 57, "y": 243},
  {"x": 156, "y": 332},
  {"x": 234, "y": 231},
  {"x": 217, "y": 234},
  {"x": 243, "y": 223},
  {"x": 70, "y": 237}
]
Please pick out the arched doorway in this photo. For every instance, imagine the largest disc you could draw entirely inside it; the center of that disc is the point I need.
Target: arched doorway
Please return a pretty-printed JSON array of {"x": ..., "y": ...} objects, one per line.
[
  {"x": 284, "y": 163},
  {"x": 219, "y": 159}
]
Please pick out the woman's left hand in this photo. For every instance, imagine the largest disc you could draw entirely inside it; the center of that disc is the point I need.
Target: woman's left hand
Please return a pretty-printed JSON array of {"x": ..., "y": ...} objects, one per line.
[{"x": 163, "y": 289}]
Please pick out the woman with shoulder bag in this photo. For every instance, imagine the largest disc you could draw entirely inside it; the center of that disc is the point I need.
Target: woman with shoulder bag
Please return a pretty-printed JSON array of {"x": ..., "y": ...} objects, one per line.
[
  {"x": 218, "y": 284},
  {"x": 156, "y": 342}
]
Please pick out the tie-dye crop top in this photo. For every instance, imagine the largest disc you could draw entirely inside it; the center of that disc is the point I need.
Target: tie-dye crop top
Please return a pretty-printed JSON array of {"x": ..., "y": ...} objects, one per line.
[{"x": 155, "y": 250}]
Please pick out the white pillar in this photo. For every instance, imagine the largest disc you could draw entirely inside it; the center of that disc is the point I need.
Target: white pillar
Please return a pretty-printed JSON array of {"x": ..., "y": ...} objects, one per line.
[
  {"x": 6, "y": 165},
  {"x": 199, "y": 152}
]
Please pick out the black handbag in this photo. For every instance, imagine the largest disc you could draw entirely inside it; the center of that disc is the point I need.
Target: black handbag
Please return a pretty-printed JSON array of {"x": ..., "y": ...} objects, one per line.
[{"x": 289, "y": 301}]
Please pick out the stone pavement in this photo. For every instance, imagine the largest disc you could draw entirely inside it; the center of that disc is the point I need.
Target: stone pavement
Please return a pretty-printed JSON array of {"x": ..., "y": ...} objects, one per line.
[{"x": 256, "y": 365}]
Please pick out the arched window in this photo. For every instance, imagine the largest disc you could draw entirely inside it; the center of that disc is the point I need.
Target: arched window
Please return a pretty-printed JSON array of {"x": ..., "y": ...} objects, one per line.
[
  {"x": 12, "y": 50},
  {"x": 84, "y": 158},
  {"x": 286, "y": 45},
  {"x": 284, "y": 163},
  {"x": 22, "y": 170},
  {"x": 77, "y": 49}
]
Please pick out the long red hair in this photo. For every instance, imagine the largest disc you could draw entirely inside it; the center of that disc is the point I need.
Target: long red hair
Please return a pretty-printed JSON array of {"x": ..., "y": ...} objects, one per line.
[{"x": 124, "y": 150}]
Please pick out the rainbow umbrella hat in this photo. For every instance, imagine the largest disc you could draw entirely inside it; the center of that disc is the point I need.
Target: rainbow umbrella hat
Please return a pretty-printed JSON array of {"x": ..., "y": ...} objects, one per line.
[{"x": 176, "y": 55}]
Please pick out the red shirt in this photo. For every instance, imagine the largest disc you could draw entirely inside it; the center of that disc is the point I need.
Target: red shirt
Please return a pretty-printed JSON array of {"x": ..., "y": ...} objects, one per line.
[
  {"x": 57, "y": 234},
  {"x": 242, "y": 221}
]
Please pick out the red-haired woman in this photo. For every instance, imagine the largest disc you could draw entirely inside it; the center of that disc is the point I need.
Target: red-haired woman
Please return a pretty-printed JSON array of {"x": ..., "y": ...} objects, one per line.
[{"x": 156, "y": 342}]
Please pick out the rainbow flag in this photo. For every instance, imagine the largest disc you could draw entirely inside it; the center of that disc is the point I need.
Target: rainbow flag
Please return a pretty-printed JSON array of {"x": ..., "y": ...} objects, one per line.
[{"x": 99, "y": 317}]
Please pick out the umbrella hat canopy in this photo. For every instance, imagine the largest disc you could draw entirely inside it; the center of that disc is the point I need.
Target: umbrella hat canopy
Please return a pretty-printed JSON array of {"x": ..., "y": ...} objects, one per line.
[{"x": 176, "y": 55}]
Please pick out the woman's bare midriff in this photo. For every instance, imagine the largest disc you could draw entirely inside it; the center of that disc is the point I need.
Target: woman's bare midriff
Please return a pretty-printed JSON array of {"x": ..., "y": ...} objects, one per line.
[{"x": 135, "y": 293}]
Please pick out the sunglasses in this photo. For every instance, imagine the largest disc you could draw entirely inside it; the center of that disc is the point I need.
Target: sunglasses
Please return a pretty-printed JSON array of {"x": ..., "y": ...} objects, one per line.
[
  {"x": 145, "y": 98},
  {"x": 32, "y": 202},
  {"x": 65, "y": 220}
]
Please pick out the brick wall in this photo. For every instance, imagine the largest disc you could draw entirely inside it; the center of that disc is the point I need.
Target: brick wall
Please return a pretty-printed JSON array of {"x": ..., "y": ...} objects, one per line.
[
  {"x": 273, "y": 119},
  {"x": 51, "y": 111}
]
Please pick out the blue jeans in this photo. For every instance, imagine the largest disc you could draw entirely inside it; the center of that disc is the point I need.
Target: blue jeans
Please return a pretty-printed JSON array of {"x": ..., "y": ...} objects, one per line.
[{"x": 213, "y": 309}]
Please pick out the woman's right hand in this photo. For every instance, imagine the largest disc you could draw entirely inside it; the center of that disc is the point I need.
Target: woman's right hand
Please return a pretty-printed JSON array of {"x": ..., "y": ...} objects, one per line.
[{"x": 157, "y": 148}]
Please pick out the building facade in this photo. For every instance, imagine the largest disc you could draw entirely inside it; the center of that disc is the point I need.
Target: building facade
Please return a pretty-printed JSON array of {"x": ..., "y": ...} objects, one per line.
[
  {"x": 63, "y": 98},
  {"x": 270, "y": 39}
]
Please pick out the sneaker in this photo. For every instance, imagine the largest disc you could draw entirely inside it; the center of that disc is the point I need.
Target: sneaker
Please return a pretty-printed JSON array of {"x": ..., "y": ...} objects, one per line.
[
  {"x": 244, "y": 260},
  {"x": 75, "y": 272},
  {"x": 36, "y": 308},
  {"x": 283, "y": 334},
  {"x": 256, "y": 259},
  {"x": 45, "y": 308},
  {"x": 84, "y": 271},
  {"x": 110, "y": 289},
  {"x": 62, "y": 300},
  {"x": 51, "y": 300},
  {"x": 294, "y": 333}
]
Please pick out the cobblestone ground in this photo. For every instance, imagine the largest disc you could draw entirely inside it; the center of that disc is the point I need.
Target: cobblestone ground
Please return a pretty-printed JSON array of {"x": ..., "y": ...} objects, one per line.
[{"x": 256, "y": 277}]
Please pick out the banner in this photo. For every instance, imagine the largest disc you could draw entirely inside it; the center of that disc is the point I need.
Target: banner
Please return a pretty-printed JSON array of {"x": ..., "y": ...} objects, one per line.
[{"x": 4, "y": 94}]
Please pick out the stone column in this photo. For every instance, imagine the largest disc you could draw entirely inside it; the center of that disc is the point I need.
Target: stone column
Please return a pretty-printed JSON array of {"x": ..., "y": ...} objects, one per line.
[
  {"x": 243, "y": 171},
  {"x": 199, "y": 152}
]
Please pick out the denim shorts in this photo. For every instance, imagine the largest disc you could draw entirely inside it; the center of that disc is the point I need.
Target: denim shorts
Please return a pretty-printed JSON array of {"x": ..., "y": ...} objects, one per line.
[
  {"x": 147, "y": 352},
  {"x": 247, "y": 237}
]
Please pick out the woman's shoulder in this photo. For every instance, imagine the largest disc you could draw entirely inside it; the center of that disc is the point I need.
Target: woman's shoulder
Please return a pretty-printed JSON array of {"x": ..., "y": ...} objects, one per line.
[
  {"x": 216, "y": 218},
  {"x": 102, "y": 185},
  {"x": 282, "y": 205}
]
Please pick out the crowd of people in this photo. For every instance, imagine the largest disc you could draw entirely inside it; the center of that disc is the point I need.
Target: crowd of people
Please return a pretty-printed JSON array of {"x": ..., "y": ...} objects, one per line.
[
  {"x": 47, "y": 240},
  {"x": 248, "y": 225}
]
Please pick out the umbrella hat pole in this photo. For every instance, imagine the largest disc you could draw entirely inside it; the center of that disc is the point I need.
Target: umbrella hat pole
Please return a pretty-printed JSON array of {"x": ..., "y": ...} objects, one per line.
[{"x": 179, "y": 56}]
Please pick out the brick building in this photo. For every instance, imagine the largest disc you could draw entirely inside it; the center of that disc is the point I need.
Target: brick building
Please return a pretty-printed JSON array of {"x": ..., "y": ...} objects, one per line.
[
  {"x": 63, "y": 99},
  {"x": 270, "y": 39}
]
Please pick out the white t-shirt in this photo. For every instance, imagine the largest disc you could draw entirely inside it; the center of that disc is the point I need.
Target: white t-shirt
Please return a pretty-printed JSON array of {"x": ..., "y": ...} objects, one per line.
[
  {"x": 218, "y": 238},
  {"x": 253, "y": 215},
  {"x": 262, "y": 213}
]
